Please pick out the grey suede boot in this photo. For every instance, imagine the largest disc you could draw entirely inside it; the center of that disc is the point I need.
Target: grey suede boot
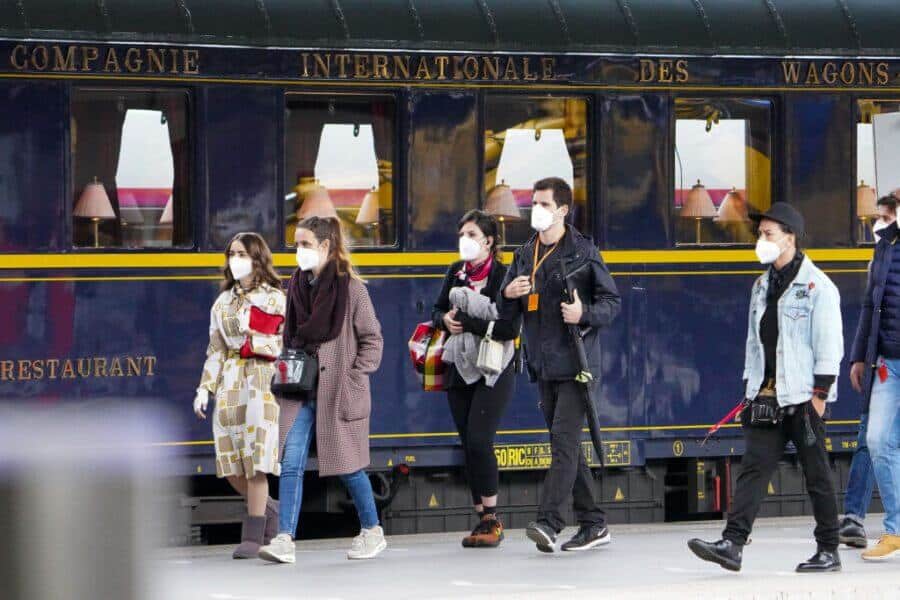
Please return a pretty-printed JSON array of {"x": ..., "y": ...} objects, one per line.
[
  {"x": 251, "y": 537},
  {"x": 271, "y": 521}
]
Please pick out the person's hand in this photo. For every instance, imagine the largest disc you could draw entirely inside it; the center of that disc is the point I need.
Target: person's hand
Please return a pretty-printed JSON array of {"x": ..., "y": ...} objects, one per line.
[
  {"x": 451, "y": 324},
  {"x": 572, "y": 311},
  {"x": 201, "y": 400},
  {"x": 819, "y": 405},
  {"x": 518, "y": 287},
  {"x": 856, "y": 375}
]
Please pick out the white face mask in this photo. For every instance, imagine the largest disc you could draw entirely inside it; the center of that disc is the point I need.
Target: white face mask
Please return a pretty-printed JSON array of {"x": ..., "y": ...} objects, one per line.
[
  {"x": 240, "y": 267},
  {"x": 767, "y": 252},
  {"x": 878, "y": 226},
  {"x": 541, "y": 218},
  {"x": 469, "y": 249},
  {"x": 307, "y": 258}
]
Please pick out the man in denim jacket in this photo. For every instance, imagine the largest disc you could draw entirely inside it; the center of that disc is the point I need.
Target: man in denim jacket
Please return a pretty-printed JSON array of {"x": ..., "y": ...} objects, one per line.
[{"x": 794, "y": 349}]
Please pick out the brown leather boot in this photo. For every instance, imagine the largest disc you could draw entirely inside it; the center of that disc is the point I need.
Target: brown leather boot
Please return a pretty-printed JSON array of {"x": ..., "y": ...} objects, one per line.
[
  {"x": 251, "y": 537},
  {"x": 271, "y": 521},
  {"x": 487, "y": 534}
]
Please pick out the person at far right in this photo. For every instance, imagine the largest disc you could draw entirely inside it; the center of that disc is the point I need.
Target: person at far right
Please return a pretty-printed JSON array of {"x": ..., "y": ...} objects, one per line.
[
  {"x": 793, "y": 354},
  {"x": 875, "y": 372}
]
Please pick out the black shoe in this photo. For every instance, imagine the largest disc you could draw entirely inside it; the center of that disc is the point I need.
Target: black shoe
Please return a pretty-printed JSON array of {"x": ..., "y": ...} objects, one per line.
[
  {"x": 853, "y": 533},
  {"x": 821, "y": 562},
  {"x": 542, "y": 535},
  {"x": 724, "y": 553},
  {"x": 587, "y": 537}
]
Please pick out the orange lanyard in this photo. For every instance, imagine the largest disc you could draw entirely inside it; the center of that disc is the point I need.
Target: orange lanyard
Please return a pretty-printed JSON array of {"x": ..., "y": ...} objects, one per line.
[{"x": 538, "y": 263}]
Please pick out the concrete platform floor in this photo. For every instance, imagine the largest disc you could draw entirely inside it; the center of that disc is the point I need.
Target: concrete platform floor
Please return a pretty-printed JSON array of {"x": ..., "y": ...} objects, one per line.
[{"x": 642, "y": 562}]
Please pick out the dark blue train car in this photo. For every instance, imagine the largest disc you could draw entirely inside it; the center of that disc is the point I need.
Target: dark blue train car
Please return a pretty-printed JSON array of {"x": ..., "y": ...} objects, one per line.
[{"x": 138, "y": 137}]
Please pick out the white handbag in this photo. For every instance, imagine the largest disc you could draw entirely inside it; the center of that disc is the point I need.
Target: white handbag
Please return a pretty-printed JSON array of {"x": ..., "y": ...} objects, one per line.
[{"x": 490, "y": 353}]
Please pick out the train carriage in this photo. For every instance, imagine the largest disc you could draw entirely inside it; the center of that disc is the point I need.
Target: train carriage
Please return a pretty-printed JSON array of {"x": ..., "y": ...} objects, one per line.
[{"x": 138, "y": 137}]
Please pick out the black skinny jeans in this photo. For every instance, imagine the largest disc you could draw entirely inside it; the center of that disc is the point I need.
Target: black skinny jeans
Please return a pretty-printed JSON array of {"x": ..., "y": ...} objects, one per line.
[
  {"x": 562, "y": 403},
  {"x": 477, "y": 410},
  {"x": 764, "y": 448}
]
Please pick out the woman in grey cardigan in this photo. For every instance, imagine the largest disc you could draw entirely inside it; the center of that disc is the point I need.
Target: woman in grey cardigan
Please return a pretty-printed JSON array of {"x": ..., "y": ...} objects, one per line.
[{"x": 329, "y": 315}]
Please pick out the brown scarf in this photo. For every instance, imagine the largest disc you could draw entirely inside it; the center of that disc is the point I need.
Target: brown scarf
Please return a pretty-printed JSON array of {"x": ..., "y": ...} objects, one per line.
[{"x": 315, "y": 312}]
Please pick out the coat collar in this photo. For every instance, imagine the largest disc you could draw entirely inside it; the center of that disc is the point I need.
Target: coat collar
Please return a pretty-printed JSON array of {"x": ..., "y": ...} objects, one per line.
[{"x": 804, "y": 277}]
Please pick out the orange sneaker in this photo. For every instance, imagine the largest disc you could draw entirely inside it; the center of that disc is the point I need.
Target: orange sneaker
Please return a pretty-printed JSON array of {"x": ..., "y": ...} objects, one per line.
[
  {"x": 888, "y": 546},
  {"x": 487, "y": 534}
]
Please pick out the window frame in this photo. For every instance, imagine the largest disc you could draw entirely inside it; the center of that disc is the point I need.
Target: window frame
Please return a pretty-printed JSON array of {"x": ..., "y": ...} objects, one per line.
[
  {"x": 775, "y": 159},
  {"x": 592, "y": 146},
  {"x": 396, "y": 173},
  {"x": 193, "y": 162}
]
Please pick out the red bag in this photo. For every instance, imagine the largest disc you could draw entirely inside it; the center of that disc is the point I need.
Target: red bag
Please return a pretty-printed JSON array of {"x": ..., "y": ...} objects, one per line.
[
  {"x": 426, "y": 347},
  {"x": 266, "y": 324}
]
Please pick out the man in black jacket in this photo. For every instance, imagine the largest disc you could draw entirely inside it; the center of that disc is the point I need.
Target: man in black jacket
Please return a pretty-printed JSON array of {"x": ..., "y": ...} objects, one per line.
[{"x": 534, "y": 287}]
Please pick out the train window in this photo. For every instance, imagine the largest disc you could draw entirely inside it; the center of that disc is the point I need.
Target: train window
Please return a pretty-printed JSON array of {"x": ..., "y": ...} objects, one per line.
[
  {"x": 723, "y": 153},
  {"x": 877, "y": 161},
  {"x": 131, "y": 168},
  {"x": 339, "y": 153},
  {"x": 527, "y": 139}
]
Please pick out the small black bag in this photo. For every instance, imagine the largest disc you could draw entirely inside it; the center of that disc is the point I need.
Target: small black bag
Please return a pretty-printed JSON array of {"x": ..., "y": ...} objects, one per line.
[
  {"x": 765, "y": 412},
  {"x": 295, "y": 372}
]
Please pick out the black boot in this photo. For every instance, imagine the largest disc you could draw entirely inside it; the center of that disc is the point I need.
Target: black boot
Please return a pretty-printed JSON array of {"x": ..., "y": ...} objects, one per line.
[
  {"x": 822, "y": 561},
  {"x": 853, "y": 533},
  {"x": 724, "y": 553},
  {"x": 271, "y": 529}
]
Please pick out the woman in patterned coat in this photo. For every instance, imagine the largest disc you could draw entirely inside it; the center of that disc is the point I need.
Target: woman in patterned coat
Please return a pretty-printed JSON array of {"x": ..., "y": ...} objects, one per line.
[
  {"x": 245, "y": 337},
  {"x": 330, "y": 316}
]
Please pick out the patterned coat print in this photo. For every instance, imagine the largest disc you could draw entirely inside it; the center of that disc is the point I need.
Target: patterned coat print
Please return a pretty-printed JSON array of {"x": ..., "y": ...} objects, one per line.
[
  {"x": 344, "y": 400},
  {"x": 245, "y": 420}
]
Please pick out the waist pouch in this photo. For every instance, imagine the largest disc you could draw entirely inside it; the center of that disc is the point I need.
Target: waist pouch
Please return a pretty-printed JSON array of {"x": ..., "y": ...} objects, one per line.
[{"x": 764, "y": 409}]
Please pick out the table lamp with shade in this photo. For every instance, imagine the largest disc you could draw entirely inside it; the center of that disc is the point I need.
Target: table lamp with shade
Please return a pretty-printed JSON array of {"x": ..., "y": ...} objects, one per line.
[
  {"x": 368, "y": 213},
  {"x": 94, "y": 204},
  {"x": 698, "y": 205},
  {"x": 166, "y": 217},
  {"x": 316, "y": 203},
  {"x": 733, "y": 208},
  {"x": 866, "y": 208},
  {"x": 501, "y": 203}
]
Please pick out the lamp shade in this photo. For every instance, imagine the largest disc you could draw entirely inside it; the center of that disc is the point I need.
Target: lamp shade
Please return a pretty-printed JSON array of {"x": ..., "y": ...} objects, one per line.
[
  {"x": 698, "y": 203},
  {"x": 501, "y": 202},
  {"x": 368, "y": 211},
  {"x": 166, "y": 217},
  {"x": 94, "y": 203},
  {"x": 316, "y": 203},
  {"x": 733, "y": 208},
  {"x": 865, "y": 201}
]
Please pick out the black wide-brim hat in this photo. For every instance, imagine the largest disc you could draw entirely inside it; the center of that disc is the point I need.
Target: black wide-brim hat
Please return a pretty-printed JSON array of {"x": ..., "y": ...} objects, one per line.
[{"x": 784, "y": 213}]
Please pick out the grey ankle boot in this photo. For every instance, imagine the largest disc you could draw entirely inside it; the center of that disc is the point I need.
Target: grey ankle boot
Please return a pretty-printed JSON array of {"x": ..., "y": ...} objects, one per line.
[
  {"x": 251, "y": 537},
  {"x": 271, "y": 521}
]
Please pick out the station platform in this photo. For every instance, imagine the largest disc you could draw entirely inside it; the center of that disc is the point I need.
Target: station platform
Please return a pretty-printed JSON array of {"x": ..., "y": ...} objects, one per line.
[{"x": 642, "y": 562}]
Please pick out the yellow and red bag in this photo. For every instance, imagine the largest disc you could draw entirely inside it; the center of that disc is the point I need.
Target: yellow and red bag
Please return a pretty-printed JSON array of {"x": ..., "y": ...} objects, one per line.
[{"x": 426, "y": 347}]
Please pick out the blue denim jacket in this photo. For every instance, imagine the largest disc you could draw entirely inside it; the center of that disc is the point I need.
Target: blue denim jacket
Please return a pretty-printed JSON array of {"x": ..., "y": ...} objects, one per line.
[{"x": 810, "y": 336}]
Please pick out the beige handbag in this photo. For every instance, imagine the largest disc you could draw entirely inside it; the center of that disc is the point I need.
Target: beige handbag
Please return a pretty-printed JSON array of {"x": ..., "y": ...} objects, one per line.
[{"x": 490, "y": 353}]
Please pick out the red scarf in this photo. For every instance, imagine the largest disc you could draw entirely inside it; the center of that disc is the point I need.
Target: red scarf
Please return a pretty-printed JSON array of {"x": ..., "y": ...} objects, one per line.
[{"x": 472, "y": 274}]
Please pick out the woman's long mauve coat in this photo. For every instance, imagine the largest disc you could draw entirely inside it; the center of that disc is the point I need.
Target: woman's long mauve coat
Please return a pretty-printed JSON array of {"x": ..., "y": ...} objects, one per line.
[{"x": 344, "y": 399}]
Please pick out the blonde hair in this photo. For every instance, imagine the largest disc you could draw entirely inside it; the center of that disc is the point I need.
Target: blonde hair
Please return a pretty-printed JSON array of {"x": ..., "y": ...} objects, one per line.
[{"x": 329, "y": 228}]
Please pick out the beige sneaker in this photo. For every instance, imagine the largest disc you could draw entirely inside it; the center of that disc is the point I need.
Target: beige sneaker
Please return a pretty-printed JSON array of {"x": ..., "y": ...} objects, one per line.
[
  {"x": 281, "y": 550},
  {"x": 368, "y": 544},
  {"x": 887, "y": 547}
]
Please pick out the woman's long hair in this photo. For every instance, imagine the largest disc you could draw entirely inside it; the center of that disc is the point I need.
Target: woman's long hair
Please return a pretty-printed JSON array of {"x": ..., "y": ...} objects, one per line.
[
  {"x": 329, "y": 228},
  {"x": 258, "y": 251}
]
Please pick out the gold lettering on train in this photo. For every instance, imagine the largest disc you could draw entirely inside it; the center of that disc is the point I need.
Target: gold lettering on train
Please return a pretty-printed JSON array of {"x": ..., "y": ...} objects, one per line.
[
  {"x": 85, "y": 59},
  {"x": 663, "y": 70},
  {"x": 439, "y": 67},
  {"x": 832, "y": 74},
  {"x": 78, "y": 368}
]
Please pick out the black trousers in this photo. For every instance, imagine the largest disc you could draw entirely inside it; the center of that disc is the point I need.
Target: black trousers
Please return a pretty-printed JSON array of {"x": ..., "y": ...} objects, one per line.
[
  {"x": 569, "y": 475},
  {"x": 477, "y": 410},
  {"x": 764, "y": 448}
]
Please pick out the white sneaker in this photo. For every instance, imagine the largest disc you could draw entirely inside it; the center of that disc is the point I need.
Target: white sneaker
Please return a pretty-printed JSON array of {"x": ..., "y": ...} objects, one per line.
[
  {"x": 281, "y": 549},
  {"x": 368, "y": 544}
]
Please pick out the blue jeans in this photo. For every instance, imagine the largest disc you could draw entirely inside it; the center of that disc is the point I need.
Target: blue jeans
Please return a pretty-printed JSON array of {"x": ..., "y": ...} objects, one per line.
[
  {"x": 861, "y": 481},
  {"x": 293, "y": 464},
  {"x": 884, "y": 442}
]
